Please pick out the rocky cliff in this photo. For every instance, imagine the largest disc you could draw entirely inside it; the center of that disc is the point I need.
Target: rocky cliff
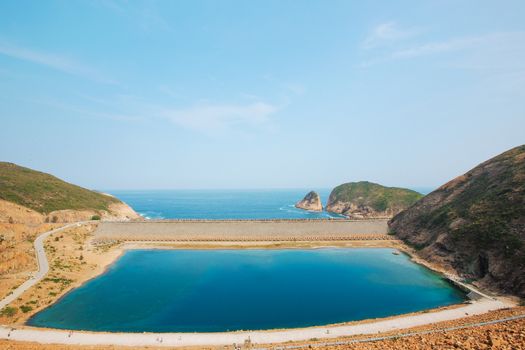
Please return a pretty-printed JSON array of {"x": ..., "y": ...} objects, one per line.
[
  {"x": 311, "y": 201},
  {"x": 366, "y": 200},
  {"x": 475, "y": 224}
]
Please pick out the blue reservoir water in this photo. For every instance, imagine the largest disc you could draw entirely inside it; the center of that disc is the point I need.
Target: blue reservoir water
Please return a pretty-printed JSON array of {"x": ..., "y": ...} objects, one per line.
[
  {"x": 222, "y": 204},
  {"x": 220, "y": 290}
]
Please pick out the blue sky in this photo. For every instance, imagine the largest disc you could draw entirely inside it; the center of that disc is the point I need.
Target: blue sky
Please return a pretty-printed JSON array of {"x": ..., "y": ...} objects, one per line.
[{"x": 260, "y": 94}]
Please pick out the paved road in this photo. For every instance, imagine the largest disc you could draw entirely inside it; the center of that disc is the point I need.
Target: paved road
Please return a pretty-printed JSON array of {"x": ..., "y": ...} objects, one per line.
[
  {"x": 43, "y": 265},
  {"x": 375, "y": 328}
]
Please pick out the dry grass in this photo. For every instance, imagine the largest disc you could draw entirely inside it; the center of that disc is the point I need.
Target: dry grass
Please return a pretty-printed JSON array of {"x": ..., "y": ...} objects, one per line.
[
  {"x": 71, "y": 261},
  {"x": 17, "y": 256}
]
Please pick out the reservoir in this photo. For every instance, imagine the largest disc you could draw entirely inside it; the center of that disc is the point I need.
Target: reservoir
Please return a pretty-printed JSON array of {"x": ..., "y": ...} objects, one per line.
[{"x": 247, "y": 289}]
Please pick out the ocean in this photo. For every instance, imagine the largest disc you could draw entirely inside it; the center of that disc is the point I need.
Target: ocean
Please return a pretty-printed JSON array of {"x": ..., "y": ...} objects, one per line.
[{"x": 221, "y": 204}]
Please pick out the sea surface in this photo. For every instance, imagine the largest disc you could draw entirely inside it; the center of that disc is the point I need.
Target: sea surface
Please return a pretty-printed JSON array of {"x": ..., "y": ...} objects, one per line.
[
  {"x": 222, "y": 204},
  {"x": 221, "y": 290}
]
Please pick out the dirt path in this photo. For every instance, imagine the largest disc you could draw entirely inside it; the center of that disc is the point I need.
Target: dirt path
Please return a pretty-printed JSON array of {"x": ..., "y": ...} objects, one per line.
[{"x": 43, "y": 266}]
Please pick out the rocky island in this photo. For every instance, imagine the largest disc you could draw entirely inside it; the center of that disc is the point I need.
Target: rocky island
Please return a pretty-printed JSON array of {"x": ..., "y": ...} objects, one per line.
[
  {"x": 475, "y": 224},
  {"x": 368, "y": 200},
  {"x": 311, "y": 201}
]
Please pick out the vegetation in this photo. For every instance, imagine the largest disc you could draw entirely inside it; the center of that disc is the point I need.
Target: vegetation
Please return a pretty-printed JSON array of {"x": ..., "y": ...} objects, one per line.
[
  {"x": 45, "y": 193},
  {"x": 8, "y": 311},
  {"x": 95, "y": 217},
  {"x": 26, "y": 308},
  {"x": 379, "y": 198},
  {"x": 479, "y": 218}
]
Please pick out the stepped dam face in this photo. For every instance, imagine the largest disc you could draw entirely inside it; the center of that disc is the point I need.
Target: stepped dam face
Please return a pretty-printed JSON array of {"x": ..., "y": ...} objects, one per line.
[
  {"x": 243, "y": 230},
  {"x": 188, "y": 290}
]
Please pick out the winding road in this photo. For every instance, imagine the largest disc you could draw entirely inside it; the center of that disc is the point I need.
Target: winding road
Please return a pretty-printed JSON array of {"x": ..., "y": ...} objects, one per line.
[{"x": 43, "y": 265}]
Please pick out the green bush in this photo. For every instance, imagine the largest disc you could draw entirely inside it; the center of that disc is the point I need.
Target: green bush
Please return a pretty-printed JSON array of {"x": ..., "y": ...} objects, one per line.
[
  {"x": 26, "y": 308},
  {"x": 95, "y": 217},
  {"x": 8, "y": 311}
]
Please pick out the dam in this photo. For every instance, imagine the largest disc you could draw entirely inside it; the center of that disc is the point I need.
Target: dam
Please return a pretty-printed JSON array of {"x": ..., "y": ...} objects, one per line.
[{"x": 244, "y": 230}]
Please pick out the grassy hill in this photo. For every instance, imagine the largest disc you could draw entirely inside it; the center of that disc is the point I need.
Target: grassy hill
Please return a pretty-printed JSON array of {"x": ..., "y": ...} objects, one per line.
[
  {"x": 45, "y": 193},
  {"x": 475, "y": 223},
  {"x": 367, "y": 197}
]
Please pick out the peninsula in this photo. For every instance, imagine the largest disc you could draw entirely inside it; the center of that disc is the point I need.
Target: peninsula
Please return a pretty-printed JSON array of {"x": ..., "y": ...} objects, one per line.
[{"x": 368, "y": 200}]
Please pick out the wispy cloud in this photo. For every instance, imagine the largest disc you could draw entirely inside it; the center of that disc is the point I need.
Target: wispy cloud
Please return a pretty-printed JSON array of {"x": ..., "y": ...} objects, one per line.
[
  {"x": 221, "y": 117},
  {"x": 453, "y": 44},
  {"x": 145, "y": 15},
  {"x": 386, "y": 34},
  {"x": 501, "y": 50},
  {"x": 54, "y": 61},
  {"x": 208, "y": 118}
]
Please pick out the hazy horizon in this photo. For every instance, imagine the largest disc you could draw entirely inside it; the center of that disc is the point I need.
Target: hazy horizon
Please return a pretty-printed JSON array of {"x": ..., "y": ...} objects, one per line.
[{"x": 260, "y": 95}]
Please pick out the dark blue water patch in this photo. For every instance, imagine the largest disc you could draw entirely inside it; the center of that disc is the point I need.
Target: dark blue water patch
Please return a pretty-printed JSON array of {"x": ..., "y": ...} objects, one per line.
[
  {"x": 222, "y": 290},
  {"x": 222, "y": 204}
]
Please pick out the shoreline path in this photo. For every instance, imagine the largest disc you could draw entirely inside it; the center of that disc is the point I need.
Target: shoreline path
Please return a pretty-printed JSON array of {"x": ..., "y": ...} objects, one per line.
[
  {"x": 43, "y": 265},
  {"x": 48, "y": 336}
]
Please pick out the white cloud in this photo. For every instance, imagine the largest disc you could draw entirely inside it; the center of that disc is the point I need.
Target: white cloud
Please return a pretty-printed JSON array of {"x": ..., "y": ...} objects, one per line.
[
  {"x": 222, "y": 117},
  {"x": 501, "y": 50},
  {"x": 51, "y": 60},
  {"x": 387, "y": 33},
  {"x": 454, "y": 44}
]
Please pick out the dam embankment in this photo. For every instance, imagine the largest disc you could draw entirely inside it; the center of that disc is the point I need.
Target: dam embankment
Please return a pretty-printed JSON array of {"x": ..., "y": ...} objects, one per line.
[{"x": 243, "y": 230}]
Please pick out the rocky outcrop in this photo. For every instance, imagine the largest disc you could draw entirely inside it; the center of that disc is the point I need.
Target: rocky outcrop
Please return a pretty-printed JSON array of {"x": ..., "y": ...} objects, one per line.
[
  {"x": 475, "y": 224},
  {"x": 367, "y": 200},
  {"x": 311, "y": 202},
  {"x": 121, "y": 212}
]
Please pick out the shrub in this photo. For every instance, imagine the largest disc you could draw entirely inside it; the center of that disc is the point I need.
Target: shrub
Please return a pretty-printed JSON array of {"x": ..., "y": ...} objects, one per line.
[
  {"x": 8, "y": 311},
  {"x": 95, "y": 217},
  {"x": 26, "y": 308}
]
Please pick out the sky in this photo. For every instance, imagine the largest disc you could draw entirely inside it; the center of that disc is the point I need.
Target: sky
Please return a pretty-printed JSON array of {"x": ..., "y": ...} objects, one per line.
[{"x": 260, "y": 94}]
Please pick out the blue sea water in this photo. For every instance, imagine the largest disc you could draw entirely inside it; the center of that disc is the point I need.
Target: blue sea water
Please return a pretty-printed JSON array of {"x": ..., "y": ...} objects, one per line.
[
  {"x": 222, "y": 204},
  {"x": 221, "y": 290}
]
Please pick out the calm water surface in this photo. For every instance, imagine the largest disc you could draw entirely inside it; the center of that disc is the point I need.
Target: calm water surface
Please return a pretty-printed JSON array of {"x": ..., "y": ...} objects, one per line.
[{"x": 220, "y": 290}]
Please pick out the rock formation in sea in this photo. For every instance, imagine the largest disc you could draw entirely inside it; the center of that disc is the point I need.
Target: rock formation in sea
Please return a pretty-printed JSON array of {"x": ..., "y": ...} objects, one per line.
[
  {"x": 474, "y": 224},
  {"x": 367, "y": 200},
  {"x": 311, "y": 201}
]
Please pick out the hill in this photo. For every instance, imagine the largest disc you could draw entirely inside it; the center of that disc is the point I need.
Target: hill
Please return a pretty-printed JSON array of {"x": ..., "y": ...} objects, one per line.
[
  {"x": 370, "y": 200},
  {"x": 46, "y": 194},
  {"x": 475, "y": 223}
]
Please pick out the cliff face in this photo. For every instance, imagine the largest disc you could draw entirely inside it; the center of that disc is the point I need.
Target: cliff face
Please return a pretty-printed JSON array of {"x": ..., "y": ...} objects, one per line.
[
  {"x": 366, "y": 200},
  {"x": 475, "y": 223},
  {"x": 311, "y": 201}
]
